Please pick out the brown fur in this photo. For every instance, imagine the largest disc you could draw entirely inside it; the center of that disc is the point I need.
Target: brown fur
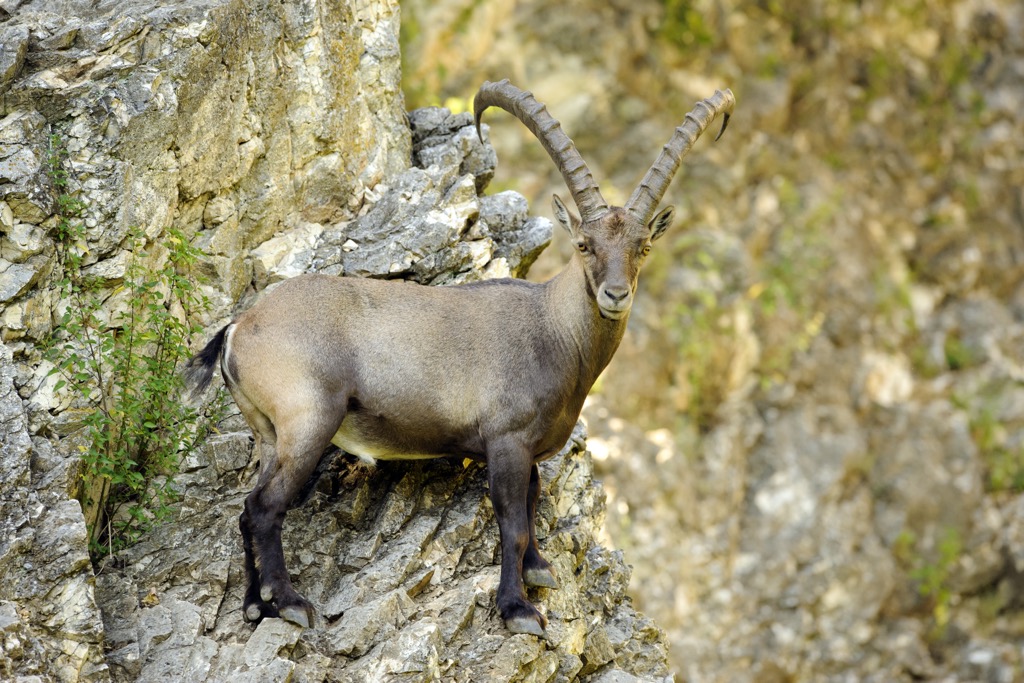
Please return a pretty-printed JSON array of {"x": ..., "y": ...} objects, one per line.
[{"x": 495, "y": 370}]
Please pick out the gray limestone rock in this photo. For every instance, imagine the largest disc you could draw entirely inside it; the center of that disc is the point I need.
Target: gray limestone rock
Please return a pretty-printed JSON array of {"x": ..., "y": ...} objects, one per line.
[
  {"x": 807, "y": 515},
  {"x": 430, "y": 224},
  {"x": 273, "y": 136},
  {"x": 13, "y": 46},
  {"x": 420, "y": 606},
  {"x": 50, "y": 620},
  {"x": 25, "y": 188}
]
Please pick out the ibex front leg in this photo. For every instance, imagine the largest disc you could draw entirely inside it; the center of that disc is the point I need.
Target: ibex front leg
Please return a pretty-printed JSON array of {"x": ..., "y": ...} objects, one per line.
[
  {"x": 508, "y": 470},
  {"x": 536, "y": 570}
]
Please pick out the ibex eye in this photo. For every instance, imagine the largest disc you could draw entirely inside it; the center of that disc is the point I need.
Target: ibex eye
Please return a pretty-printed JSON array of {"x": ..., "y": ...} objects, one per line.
[
  {"x": 646, "y": 250},
  {"x": 582, "y": 246}
]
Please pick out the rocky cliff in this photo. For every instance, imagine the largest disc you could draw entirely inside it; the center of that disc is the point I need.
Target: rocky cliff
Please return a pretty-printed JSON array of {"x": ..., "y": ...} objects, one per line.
[
  {"x": 812, "y": 434},
  {"x": 274, "y": 137}
]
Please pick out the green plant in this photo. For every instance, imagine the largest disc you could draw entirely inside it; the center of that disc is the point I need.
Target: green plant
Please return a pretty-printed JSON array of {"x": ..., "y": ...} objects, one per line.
[
  {"x": 704, "y": 347},
  {"x": 1005, "y": 469},
  {"x": 69, "y": 230},
  {"x": 922, "y": 361},
  {"x": 787, "y": 297},
  {"x": 699, "y": 327},
  {"x": 684, "y": 25},
  {"x": 892, "y": 300},
  {"x": 1004, "y": 462},
  {"x": 958, "y": 355},
  {"x": 933, "y": 578},
  {"x": 931, "y": 573},
  {"x": 117, "y": 353}
]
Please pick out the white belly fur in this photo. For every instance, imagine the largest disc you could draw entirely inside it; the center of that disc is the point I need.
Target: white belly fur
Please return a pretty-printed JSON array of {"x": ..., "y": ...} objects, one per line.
[{"x": 352, "y": 442}]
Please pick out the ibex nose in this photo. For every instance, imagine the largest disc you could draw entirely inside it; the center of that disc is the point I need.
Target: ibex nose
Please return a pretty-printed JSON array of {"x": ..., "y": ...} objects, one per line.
[{"x": 616, "y": 294}]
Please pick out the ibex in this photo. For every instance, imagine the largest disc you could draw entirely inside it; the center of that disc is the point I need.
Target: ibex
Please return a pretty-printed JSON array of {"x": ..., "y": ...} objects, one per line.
[{"x": 495, "y": 371}]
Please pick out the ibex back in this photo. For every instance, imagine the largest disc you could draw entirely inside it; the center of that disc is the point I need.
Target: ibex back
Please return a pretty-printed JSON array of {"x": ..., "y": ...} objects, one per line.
[{"x": 496, "y": 370}]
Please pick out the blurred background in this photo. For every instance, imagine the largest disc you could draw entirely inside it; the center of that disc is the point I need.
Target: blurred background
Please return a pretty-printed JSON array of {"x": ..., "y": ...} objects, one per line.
[{"x": 812, "y": 438}]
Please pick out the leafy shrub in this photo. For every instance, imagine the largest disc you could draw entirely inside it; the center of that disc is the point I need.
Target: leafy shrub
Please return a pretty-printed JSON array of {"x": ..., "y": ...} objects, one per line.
[{"x": 122, "y": 367}]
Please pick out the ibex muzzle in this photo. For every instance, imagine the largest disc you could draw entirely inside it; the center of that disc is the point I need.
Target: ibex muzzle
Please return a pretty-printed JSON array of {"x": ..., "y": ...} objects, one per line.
[{"x": 496, "y": 371}]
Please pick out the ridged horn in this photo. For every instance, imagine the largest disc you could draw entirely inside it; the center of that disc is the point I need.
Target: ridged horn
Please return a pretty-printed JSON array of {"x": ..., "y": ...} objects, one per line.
[
  {"x": 548, "y": 131},
  {"x": 646, "y": 197}
]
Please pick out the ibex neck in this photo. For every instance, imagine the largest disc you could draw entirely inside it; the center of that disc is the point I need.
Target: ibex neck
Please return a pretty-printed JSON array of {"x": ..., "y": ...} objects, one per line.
[{"x": 589, "y": 339}]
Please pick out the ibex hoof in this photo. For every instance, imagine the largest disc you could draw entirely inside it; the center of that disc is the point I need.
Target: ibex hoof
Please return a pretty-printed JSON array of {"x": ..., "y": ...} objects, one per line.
[
  {"x": 541, "y": 577},
  {"x": 267, "y": 592},
  {"x": 296, "y": 614},
  {"x": 524, "y": 625},
  {"x": 255, "y": 612},
  {"x": 522, "y": 617}
]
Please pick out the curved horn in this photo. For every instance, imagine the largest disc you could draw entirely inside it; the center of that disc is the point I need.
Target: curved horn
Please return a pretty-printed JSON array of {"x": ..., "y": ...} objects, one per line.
[
  {"x": 646, "y": 197},
  {"x": 548, "y": 131}
]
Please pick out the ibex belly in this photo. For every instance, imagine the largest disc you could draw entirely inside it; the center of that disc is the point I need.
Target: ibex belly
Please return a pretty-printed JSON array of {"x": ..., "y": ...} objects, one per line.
[{"x": 371, "y": 447}]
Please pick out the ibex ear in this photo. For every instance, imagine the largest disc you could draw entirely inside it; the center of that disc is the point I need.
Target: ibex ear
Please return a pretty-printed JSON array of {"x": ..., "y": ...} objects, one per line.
[
  {"x": 660, "y": 223},
  {"x": 564, "y": 216}
]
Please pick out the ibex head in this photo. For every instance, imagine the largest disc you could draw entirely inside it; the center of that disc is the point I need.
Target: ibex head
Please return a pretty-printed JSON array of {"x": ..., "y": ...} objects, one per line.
[{"x": 611, "y": 241}]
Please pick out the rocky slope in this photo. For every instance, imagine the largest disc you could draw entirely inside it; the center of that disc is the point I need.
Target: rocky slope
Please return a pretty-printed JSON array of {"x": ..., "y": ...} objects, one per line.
[
  {"x": 400, "y": 562},
  {"x": 811, "y": 436},
  {"x": 274, "y": 137}
]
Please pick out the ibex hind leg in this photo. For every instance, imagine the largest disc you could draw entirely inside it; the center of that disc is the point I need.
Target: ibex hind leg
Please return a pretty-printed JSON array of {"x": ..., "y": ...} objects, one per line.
[
  {"x": 536, "y": 570},
  {"x": 300, "y": 443},
  {"x": 254, "y": 609}
]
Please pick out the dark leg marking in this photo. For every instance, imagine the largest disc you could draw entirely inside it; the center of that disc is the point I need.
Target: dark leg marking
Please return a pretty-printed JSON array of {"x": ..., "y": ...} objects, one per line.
[
  {"x": 508, "y": 470},
  {"x": 536, "y": 570}
]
